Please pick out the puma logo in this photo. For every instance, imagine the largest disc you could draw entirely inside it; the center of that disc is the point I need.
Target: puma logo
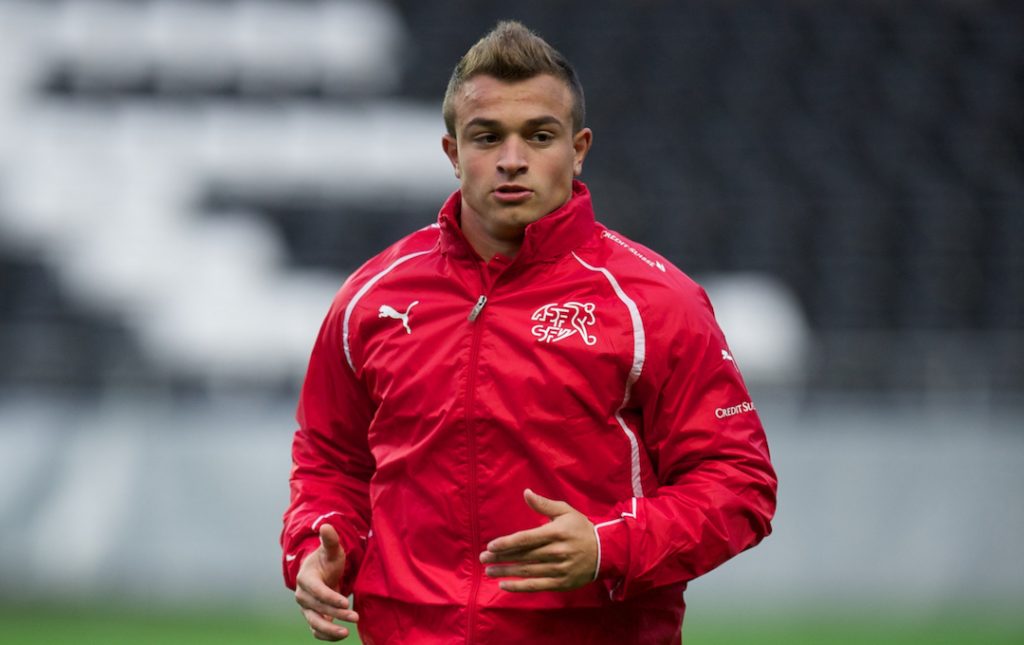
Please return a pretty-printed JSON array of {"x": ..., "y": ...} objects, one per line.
[{"x": 387, "y": 311}]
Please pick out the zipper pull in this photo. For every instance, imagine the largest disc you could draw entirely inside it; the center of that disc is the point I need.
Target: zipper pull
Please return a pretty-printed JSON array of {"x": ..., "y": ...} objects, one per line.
[{"x": 477, "y": 308}]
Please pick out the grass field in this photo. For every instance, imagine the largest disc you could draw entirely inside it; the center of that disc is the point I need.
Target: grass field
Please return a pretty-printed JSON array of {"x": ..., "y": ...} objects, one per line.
[{"x": 103, "y": 627}]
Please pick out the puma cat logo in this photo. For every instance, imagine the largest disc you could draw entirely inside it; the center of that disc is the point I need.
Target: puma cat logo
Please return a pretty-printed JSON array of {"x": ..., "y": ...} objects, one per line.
[{"x": 387, "y": 311}]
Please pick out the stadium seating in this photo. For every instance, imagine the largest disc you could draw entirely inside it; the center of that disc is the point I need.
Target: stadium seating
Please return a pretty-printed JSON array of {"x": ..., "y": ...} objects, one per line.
[{"x": 866, "y": 154}]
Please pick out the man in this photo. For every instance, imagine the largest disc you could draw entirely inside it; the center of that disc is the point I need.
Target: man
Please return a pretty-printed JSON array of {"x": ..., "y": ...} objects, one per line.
[{"x": 517, "y": 425}]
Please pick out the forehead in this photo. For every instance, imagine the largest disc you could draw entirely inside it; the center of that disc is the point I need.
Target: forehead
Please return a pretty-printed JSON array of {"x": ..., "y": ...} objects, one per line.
[{"x": 487, "y": 97}]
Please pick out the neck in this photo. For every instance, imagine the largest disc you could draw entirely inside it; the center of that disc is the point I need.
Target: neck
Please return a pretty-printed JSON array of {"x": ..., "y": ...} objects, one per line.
[{"x": 488, "y": 243}]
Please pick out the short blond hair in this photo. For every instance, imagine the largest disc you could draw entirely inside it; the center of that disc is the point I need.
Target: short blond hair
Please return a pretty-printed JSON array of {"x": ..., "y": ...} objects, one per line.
[{"x": 511, "y": 52}]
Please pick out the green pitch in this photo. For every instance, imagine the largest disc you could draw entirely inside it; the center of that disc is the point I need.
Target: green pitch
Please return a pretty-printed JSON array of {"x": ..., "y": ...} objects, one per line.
[{"x": 23, "y": 626}]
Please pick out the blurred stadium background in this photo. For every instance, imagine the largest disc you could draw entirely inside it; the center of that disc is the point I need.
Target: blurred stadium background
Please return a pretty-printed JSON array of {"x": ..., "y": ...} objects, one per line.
[{"x": 185, "y": 183}]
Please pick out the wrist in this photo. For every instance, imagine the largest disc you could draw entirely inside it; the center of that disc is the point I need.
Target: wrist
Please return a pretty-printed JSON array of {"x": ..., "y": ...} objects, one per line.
[
  {"x": 352, "y": 545},
  {"x": 294, "y": 558}
]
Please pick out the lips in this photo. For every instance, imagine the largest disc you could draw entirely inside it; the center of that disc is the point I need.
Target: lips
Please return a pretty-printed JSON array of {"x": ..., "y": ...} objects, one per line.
[{"x": 511, "y": 193}]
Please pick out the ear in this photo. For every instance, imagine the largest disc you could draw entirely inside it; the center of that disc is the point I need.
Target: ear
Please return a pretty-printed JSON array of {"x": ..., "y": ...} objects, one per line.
[
  {"x": 581, "y": 142},
  {"x": 451, "y": 150}
]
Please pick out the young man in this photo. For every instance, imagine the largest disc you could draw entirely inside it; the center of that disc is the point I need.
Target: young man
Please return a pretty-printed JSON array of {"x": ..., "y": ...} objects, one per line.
[{"x": 517, "y": 425}]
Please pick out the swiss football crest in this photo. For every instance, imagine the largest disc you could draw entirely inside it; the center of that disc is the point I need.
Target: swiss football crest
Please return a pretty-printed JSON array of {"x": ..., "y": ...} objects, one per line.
[{"x": 558, "y": 322}]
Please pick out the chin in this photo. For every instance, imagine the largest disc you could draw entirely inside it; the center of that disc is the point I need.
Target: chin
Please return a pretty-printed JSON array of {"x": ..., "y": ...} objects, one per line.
[
  {"x": 523, "y": 219},
  {"x": 515, "y": 214}
]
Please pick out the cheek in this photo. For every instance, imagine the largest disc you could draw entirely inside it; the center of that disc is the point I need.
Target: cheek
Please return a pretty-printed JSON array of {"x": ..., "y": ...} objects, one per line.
[
  {"x": 470, "y": 168},
  {"x": 563, "y": 173}
]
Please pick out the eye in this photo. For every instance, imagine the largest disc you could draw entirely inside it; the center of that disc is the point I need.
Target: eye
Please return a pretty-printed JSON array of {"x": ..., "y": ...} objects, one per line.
[
  {"x": 543, "y": 137},
  {"x": 485, "y": 138}
]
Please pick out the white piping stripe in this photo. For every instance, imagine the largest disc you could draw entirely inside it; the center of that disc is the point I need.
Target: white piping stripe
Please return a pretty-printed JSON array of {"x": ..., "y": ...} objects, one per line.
[
  {"x": 634, "y": 454},
  {"x": 608, "y": 523},
  {"x": 597, "y": 536},
  {"x": 597, "y": 567},
  {"x": 639, "y": 351},
  {"x": 317, "y": 521},
  {"x": 633, "y": 514},
  {"x": 362, "y": 292}
]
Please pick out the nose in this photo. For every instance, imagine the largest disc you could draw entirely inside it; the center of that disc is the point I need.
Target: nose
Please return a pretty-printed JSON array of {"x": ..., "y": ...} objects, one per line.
[{"x": 512, "y": 159}]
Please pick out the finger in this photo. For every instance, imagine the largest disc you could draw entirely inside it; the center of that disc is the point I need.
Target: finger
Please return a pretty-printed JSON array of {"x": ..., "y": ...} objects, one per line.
[
  {"x": 522, "y": 541},
  {"x": 531, "y": 585},
  {"x": 556, "y": 551},
  {"x": 324, "y": 629},
  {"x": 331, "y": 543},
  {"x": 321, "y": 593},
  {"x": 328, "y": 561},
  {"x": 547, "y": 507},
  {"x": 306, "y": 601},
  {"x": 540, "y": 570}
]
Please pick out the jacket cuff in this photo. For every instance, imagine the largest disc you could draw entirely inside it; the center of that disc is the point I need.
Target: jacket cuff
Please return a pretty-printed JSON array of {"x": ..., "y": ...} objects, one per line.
[
  {"x": 612, "y": 553},
  {"x": 293, "y": 559},
  {"x": 353, "y": 544}
]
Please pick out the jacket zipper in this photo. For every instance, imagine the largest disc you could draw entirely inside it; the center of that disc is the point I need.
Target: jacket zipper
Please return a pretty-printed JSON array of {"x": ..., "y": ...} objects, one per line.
[
  {"x": 477, "y": 308},
  {"x": 474, "y": 520}
]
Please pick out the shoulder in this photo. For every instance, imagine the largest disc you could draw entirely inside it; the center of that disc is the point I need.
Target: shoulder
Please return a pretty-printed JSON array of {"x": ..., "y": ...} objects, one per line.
[
  {"x": 661, "y": 291},
  {"x": 410, "y": 247},
  {"x": 335, "y": 331},
  {"x": 671, "y": 313},
  {"x": 416, "y": 244},
  {"x": 403, "y": 252}
]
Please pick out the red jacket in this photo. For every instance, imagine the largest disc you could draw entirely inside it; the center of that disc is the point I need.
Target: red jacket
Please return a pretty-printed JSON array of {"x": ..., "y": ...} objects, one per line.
[{"x": 589, "y": 369}]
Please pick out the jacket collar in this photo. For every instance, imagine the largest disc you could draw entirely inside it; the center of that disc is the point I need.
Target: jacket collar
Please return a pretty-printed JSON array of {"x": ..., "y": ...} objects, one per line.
[{"x": 550, "y": 237}]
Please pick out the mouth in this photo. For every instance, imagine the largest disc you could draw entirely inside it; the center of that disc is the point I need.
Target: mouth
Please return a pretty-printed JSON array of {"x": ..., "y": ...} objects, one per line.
[{"x": 512, "y": 193}]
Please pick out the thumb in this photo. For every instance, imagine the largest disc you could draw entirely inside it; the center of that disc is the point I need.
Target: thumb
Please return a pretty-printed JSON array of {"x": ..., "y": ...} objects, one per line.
[
  {"x": 332, "y": 556},
  {"x": 547, "y": 507},
  {"x": 331, "y": 544}
]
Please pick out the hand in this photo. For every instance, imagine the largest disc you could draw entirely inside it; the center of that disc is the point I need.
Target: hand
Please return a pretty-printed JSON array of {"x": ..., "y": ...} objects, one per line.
[
  {"x": 316, "y": 588},
  {"x": 558, "y": 556}
]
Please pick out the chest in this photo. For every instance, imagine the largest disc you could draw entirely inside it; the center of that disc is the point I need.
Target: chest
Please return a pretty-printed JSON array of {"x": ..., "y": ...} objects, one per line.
[{"x": 565, "y": 344}]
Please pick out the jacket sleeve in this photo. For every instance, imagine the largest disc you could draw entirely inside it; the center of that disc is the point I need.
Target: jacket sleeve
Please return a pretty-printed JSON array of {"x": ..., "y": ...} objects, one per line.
[
  {"x": 331, "y": 460},
  {"x": 716, "y": 486}
]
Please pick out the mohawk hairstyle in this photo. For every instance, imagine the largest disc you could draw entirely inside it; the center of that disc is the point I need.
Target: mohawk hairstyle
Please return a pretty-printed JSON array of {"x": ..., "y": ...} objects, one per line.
[{"x": 511, "y": 52}]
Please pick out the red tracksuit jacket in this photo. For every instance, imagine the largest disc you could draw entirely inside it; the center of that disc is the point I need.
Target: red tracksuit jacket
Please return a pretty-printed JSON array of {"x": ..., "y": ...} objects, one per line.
[{"x": 587, "y": 368}]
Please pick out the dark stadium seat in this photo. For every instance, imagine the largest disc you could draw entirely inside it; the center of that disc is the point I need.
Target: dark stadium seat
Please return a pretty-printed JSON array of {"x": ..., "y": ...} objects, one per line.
[
  {"x": 52, "y": 343},
  {"x": 868, "y": 154}
]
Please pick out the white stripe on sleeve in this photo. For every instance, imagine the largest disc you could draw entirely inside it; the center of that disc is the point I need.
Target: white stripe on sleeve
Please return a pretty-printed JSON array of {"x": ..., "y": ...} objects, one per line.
[
  {"x": 362, "y": 292},
  {"x": 639, "y": 351}
]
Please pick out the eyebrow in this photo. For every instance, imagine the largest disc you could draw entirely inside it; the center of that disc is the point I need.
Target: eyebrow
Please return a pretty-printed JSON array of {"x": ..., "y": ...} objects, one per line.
[{"x": 531, "y": 123}]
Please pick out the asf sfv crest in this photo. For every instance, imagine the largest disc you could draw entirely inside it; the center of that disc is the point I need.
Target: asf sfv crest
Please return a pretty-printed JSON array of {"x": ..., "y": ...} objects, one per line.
[{"x": 558, "y": 322}]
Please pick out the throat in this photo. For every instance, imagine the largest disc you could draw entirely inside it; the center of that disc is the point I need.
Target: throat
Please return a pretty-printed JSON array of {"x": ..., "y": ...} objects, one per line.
[{"x": 489, "y": 239}]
